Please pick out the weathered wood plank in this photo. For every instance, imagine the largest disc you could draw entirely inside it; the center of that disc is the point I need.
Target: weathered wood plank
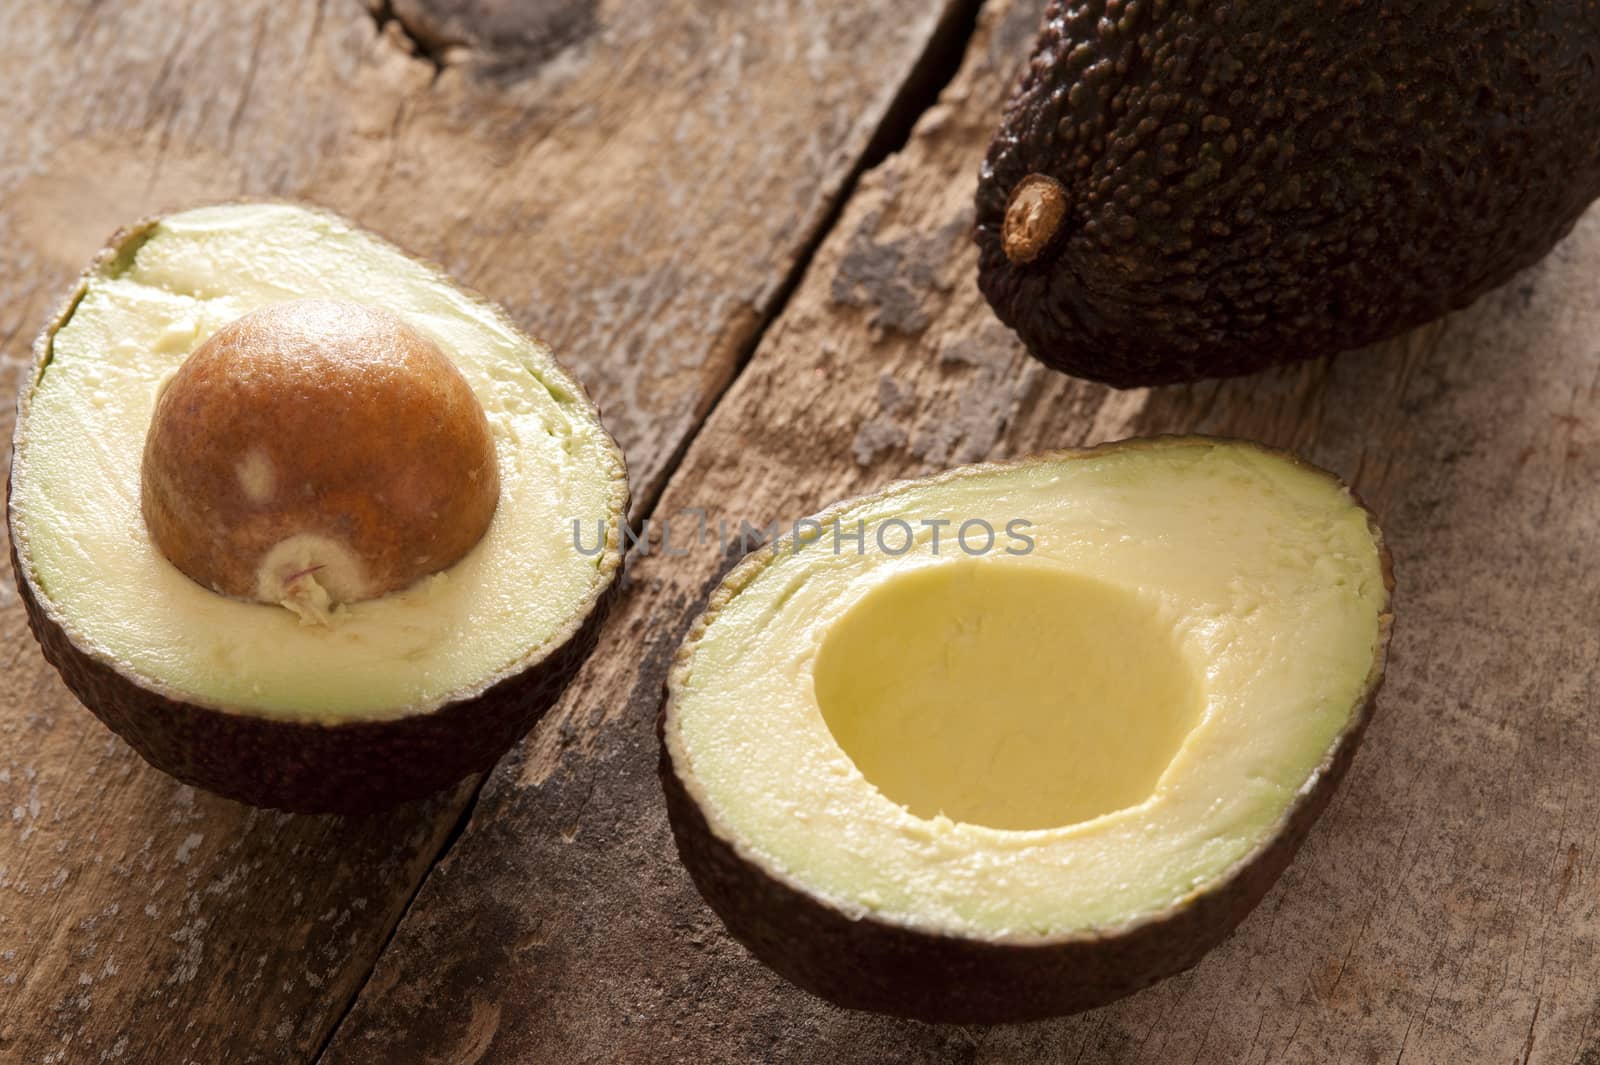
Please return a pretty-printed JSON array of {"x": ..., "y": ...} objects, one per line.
[
  {"x": 634, "y": 179},
  {"x": 1445, "y": 910}
]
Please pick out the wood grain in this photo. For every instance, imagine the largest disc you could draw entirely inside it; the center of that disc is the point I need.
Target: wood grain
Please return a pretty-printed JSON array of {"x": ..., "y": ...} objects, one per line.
[
  {"x": 634, "y": 180},
  {"x": 1447, "y": 909}
]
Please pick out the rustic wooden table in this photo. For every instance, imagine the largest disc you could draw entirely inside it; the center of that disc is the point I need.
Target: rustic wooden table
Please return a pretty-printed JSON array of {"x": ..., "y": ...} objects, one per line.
[{"x": 745, "y": 224}]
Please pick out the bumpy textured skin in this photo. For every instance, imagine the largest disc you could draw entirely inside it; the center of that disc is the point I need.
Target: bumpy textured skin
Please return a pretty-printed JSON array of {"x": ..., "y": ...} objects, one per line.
[
  {"x": 1254, "y": 182},
  {"x": 872, "y": 964},
  {"x": 353, "y": 767}
]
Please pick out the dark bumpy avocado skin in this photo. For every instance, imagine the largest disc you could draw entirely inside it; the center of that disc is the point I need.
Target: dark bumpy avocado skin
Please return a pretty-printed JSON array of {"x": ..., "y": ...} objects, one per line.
[
  {"x": 871, "y": 964},
  {"x": 1257, "y": 182}
]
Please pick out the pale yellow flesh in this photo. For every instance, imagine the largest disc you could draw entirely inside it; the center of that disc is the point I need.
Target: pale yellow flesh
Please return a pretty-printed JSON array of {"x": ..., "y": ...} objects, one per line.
[
  {"x": 76, "y": 483},
  {"x": 1108, "y": 723},
  {"x": 1006, "y": 695}
]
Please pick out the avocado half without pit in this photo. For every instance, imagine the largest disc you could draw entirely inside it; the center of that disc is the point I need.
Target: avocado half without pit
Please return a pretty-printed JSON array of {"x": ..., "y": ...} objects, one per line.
[
  {"x": 295, "y": 515},
  {"x": 1009, "y": 777}
]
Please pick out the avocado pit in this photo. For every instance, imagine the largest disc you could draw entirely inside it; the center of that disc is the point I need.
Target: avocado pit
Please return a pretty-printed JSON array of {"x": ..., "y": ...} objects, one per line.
[{"x": 317, "y": 452}]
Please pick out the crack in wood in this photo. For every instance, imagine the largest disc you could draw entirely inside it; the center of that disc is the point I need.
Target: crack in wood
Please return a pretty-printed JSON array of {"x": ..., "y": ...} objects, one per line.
[
  {"x": 1527, "y": 1048},
  {"x": 933, "y": 71},
  {"x": 349, "y": 1004},
  {"x": 504, "y": 41},
  {"x": 252, "y": 65},
  {"x": 936, "y": 67},
  {"x": 419, "y": 46}
]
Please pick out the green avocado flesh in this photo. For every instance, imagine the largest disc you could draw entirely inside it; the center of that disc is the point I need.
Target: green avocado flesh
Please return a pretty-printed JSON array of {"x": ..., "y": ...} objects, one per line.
[
  {"x": 1029, "y": 744},
  {"x": 76, "y": 482}
]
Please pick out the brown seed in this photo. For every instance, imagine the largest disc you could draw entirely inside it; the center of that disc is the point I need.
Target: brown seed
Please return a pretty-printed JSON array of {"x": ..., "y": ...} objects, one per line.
[{"x": 316, "y": 452}]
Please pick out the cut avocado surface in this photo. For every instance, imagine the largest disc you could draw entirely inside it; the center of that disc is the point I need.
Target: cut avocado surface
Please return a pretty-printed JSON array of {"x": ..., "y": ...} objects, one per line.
[
  {"x": 1014, "y": 783},
  {"x": 387, "y": 695}
]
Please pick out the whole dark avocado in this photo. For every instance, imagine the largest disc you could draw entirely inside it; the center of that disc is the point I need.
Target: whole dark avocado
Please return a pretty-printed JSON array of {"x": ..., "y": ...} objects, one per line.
[{"x": 1192, "y": 188}]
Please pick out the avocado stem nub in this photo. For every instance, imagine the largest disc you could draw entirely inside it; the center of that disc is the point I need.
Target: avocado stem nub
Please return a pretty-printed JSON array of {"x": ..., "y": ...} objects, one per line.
[{"x": 1033, "y": 217}]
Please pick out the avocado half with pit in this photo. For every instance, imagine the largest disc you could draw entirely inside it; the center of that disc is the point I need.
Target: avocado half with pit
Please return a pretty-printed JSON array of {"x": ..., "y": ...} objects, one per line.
[
  {"x": 300, "y": 519},
  {"x": 1044, "y": 761}
]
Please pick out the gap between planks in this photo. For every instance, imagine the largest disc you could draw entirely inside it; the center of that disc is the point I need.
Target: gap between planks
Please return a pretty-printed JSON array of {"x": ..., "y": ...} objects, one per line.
[{"x": 932, "y": 72}]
